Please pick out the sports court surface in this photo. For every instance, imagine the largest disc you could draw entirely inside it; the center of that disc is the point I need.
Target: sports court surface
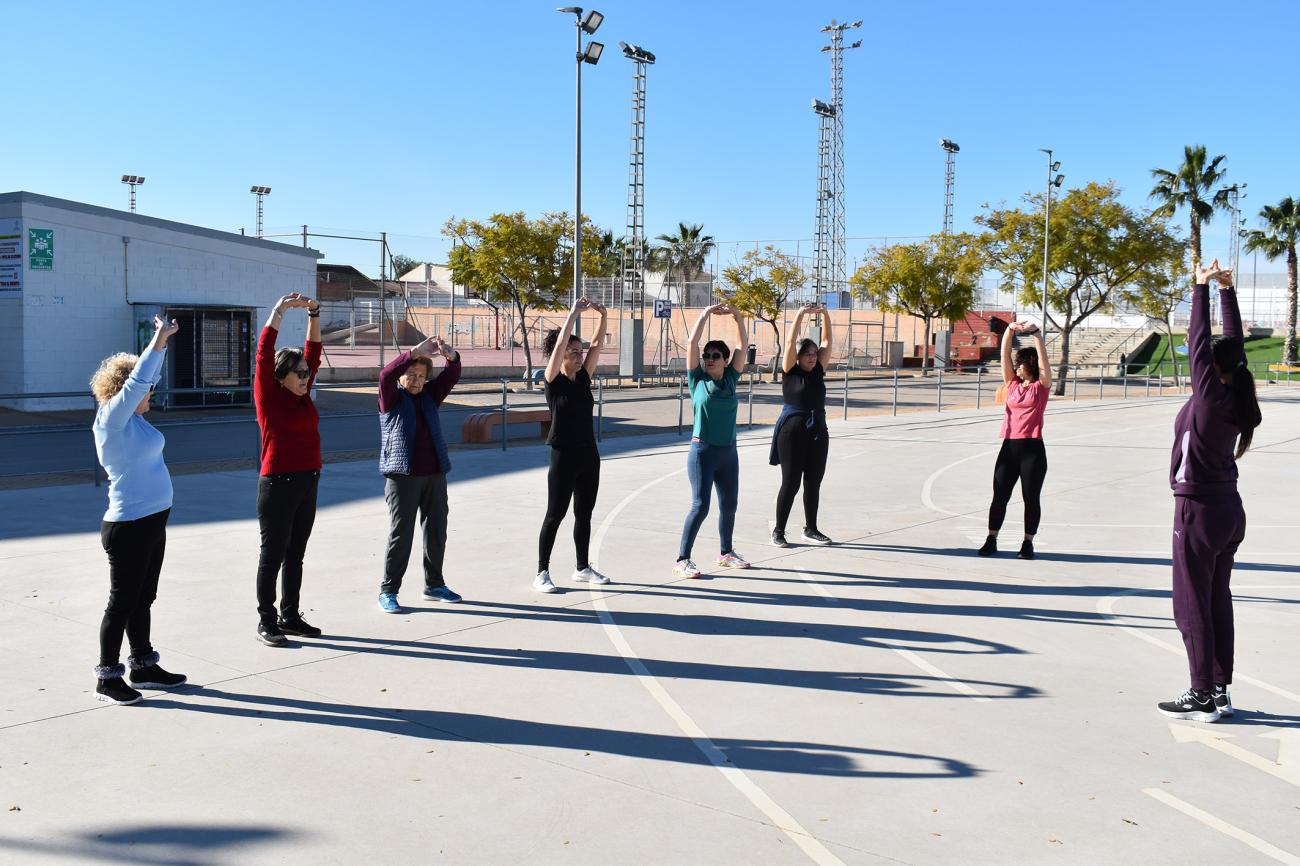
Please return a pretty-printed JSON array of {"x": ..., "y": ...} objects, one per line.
[{"x": 891, "y": 699}]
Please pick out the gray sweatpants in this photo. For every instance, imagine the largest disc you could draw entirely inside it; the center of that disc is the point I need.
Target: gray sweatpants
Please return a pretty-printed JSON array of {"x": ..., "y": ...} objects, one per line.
[{"x": 406, "y": 496}]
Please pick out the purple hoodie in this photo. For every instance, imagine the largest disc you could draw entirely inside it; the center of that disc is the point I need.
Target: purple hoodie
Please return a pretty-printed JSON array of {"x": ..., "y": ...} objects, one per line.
[{"x": 1205, "y": 435}]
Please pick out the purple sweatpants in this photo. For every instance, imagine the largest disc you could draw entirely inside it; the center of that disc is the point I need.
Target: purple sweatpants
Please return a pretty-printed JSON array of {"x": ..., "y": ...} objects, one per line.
[{"x": 1207, "y": 532}]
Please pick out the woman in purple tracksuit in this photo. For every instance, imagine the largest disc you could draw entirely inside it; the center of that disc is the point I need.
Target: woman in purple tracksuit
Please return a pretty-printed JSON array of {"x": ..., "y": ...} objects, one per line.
[{"x": 1214, "y": 428}]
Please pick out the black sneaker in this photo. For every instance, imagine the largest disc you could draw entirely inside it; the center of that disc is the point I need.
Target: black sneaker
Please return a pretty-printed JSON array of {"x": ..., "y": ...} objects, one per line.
[
  {"x": 271, "y": 635},
  {"x": 812, "y": 536},
  {"x": 116, "y": 691},
  {"x": 1026, "y": 550},
  {"x": 1193, "y": 705},
  {"x": 990, "y": 546},
  {"x": 1222, "y": 700},
  {"x": 154, "y": 677},
  {"x": 778, "y": 538},
  {"x": 298, "y": 627}
]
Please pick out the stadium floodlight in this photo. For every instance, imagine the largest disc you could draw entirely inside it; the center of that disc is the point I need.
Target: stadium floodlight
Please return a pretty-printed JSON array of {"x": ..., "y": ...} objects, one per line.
[
  {"x": 591, "y": 23},
  {"x": 132, "y": 181},
  {"x": 592, "y": 54},
  {"x": 823, "y": 109},
  {"x": 949, "y": 145}
]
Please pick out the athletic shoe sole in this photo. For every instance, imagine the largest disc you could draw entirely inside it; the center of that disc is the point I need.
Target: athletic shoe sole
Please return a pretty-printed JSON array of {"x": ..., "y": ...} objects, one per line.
[
  {"x": 268, "y": 642},
  {"x": 386, "y": 610},
  {"x": 546, "y": 590},
  {"x": 826, "y": 543},
  {"x": 441, "y": 600},
  {"x": 776, "y": 543},
  {"x": 1193, "y": 715},
  {"x": 597, "y": 581},
  {"x": 106, "y": 699}
]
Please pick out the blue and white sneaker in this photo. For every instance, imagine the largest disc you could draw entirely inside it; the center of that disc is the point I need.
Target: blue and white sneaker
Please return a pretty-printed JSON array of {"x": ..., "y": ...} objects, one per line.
[
  {"x": 388, "y": 603},
  {"x": 441, "y": 593}
]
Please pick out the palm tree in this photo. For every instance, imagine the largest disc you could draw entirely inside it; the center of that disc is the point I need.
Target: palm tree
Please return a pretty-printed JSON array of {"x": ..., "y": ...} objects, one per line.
[
  {"x": 1278, "y": 238},
  {"x": 685, "y": 252},
  {"x": 1192, "y": 187}
]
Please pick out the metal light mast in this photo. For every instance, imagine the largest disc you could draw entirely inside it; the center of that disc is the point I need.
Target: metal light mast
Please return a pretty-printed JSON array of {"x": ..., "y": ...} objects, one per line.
[
  {"x": 634, "y": 236},
  {"x": 260, "y": 192},
  {"x": 822, "y": 238},
  {"x": 950, "y": 148},
  {"x": 836, "y": 48},
  {"x": 1235, "y": 195},
  {"x": 132, "y": 180}
]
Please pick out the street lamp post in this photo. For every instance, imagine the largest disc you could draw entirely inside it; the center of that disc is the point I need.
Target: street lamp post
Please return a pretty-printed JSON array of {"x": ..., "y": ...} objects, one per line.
[
  {"x": 588, "y": 24},
  {"x": 1047, "y": 225}
]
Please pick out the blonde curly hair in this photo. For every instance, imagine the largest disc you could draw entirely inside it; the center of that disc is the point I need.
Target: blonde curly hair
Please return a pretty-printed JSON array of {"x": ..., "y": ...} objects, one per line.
[{"x": 112, "y": 375}]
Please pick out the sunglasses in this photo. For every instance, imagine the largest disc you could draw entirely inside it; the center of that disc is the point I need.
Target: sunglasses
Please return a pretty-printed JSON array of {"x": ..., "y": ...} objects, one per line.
[
  {"x": 301, "y": 372},
  {"x": 713, "y": 356}
]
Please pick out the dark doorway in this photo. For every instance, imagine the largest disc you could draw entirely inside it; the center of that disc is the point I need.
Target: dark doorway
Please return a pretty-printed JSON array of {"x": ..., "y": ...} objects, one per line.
[{"x": 213, "y": 350}]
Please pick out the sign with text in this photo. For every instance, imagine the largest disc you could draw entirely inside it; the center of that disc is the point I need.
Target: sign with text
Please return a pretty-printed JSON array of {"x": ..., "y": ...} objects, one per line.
[
  {"x": 11, "y": 257},
  {"x": 40, "y": 249},
  {"x": 663, "y": 308}
]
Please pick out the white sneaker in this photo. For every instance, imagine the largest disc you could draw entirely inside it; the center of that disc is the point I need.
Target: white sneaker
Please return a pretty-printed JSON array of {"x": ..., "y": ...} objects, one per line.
[
  {"x": 589, "y": 575},
  {"x": 542, "y": 583},
  {"x": 686, "y": 568}
]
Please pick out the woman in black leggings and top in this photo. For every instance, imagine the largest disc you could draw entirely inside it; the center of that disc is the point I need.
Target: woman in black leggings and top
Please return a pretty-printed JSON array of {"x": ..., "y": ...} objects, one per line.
[
  {"x": 575, "y": 460},
  {"x": 800, "y": 440}
]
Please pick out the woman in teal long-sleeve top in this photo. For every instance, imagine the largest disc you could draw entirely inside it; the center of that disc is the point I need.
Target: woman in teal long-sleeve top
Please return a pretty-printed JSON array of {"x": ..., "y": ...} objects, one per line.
[{"x": 134, "y": 530}]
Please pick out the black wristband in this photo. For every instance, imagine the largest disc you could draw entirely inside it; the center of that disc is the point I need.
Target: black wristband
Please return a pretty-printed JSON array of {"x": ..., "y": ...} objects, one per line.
[{"x": 315, "y": 315}]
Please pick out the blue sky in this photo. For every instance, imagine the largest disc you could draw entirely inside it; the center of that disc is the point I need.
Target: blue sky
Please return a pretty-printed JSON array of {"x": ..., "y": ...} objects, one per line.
[{"x": 395, "y": 116}]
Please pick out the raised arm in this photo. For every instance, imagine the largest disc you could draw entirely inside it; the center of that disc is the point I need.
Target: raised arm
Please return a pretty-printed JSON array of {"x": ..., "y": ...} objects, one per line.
[
  {"x": 442, "y": 384},
  {"x": 738, "y": 355},
  {"x": 790, "y": 356},
  {"x": 592, "y": 360},
  {"x": 1044, "y": 363},
  {"x": 313, "y": 321},
  {"x": 395, "y": 369},
  {"x": 824, "y": 353},
  {"x": 1200, "y": 351},
  {"x": 1008, "y": 368},
  {"x": 1228, "y": 309},
  {"x": 144, "y": 375},
  {"x": 697, "y": 331},
  {"x": 556, "y": 361}
]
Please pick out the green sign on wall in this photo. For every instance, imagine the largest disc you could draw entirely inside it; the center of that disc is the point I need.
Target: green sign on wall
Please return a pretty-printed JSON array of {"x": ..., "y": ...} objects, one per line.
[{"x": 40, "y": 249}]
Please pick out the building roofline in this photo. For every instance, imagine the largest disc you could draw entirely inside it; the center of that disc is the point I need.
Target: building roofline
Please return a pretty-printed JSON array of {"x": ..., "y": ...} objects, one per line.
[{"x": 24, "y": 197}]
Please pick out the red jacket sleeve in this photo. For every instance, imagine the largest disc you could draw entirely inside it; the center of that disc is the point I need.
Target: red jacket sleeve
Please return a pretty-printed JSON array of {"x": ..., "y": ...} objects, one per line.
[
  {"x": 311, "y": 353},
  {"x": 446, "y": 380},
  {"x": 264, "y": 367},
  {"x": 388, "y": 380}
]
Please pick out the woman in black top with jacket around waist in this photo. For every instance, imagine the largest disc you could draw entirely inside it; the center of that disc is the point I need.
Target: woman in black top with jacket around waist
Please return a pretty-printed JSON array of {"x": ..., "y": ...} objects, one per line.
[
  {"x": 575, "y": 461},
  {"x": 800, "y": 440}
]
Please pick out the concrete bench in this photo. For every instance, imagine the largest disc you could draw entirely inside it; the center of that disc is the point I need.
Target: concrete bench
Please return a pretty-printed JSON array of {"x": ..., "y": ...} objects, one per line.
[{"x": 478, "y": 427}]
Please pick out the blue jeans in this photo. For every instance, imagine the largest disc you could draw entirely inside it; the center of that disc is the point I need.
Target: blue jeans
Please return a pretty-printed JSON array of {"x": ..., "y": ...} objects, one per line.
[{"x": 708, "y": 466}]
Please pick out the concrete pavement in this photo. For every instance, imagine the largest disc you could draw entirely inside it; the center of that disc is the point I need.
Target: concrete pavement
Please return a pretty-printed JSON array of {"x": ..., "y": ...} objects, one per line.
[{"x": 890, "y": 699}]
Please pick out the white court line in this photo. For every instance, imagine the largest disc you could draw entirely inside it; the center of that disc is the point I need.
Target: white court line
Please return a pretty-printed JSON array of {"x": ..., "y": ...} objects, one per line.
[
  {"x": 952, "y": 682},
  {"x": 1232, "y": 830},
  {"x": 1106, "y": 606},
  {"x": 781, "y": 819}
]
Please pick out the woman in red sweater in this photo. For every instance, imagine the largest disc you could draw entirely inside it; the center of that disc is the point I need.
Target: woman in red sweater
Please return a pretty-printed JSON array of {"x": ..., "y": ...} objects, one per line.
[{"x": 290, "y": 453}]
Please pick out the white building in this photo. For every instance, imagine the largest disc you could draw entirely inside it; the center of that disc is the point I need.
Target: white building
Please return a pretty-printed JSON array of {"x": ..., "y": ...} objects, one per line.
[{"x": 80, "y": 282}]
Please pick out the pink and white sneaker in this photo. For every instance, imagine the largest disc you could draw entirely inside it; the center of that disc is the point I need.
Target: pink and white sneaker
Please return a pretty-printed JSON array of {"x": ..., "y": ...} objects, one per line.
[
  {"x": 733, "y": 560},
  {"x": 686, "y": 568}
]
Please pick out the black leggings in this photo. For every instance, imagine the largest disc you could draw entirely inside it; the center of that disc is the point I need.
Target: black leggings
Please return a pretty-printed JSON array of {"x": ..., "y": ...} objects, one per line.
[
  {"x": 575, "y": 474},
  {"x": 286, "y": 512},
  {"x": 135, "y": 551},
  {"x": 1023, "y": 460},
  {"x": 803, "y": 461}
]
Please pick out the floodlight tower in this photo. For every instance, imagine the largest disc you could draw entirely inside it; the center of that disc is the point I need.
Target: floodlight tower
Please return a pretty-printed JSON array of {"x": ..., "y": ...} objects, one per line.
[
  {"x": 634, "y": 237},
  {"x": 823, "y": 237},
  {"x": 132, "y": 180},
  {"x": 1235, "y": 195},
  {"x": 836, "y": 50},
  {"x": 260, "y": 192},
  {"x": 951, "y": 149},
  {"x": 631, "y": 335}
]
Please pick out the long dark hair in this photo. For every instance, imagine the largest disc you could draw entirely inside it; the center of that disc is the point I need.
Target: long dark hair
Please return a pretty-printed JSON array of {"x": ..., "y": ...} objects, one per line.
[
  {"x": 1230, "y": 358},
  {"x": 1029, "y": 357}
]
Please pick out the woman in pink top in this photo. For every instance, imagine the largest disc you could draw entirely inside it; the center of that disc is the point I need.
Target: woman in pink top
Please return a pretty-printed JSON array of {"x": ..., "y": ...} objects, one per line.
[{"x": 1023, "y": 458}]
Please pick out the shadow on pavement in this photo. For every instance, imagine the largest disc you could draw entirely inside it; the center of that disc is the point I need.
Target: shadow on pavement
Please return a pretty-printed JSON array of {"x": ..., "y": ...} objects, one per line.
[{"x": 152, "y": 844}]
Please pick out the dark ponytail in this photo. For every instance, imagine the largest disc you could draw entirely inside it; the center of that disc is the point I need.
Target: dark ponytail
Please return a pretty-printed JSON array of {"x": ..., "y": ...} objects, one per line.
[
  {"x": 548, "y": 345},
  {"x": 1230, "y": 357}
]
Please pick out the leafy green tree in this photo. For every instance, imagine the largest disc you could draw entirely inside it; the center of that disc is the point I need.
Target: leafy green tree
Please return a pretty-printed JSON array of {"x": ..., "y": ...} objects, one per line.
[
  {"x": 1278, "y": 238},
  {"x": 510, "y": 259},
  {"x": 1191, "y": 187},
  {"x": 684, "y": 254},
  {"x": 933, "y": 279},
  {"x": 1098, "y": 246},
  {"x": 762, "y": 284}
]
